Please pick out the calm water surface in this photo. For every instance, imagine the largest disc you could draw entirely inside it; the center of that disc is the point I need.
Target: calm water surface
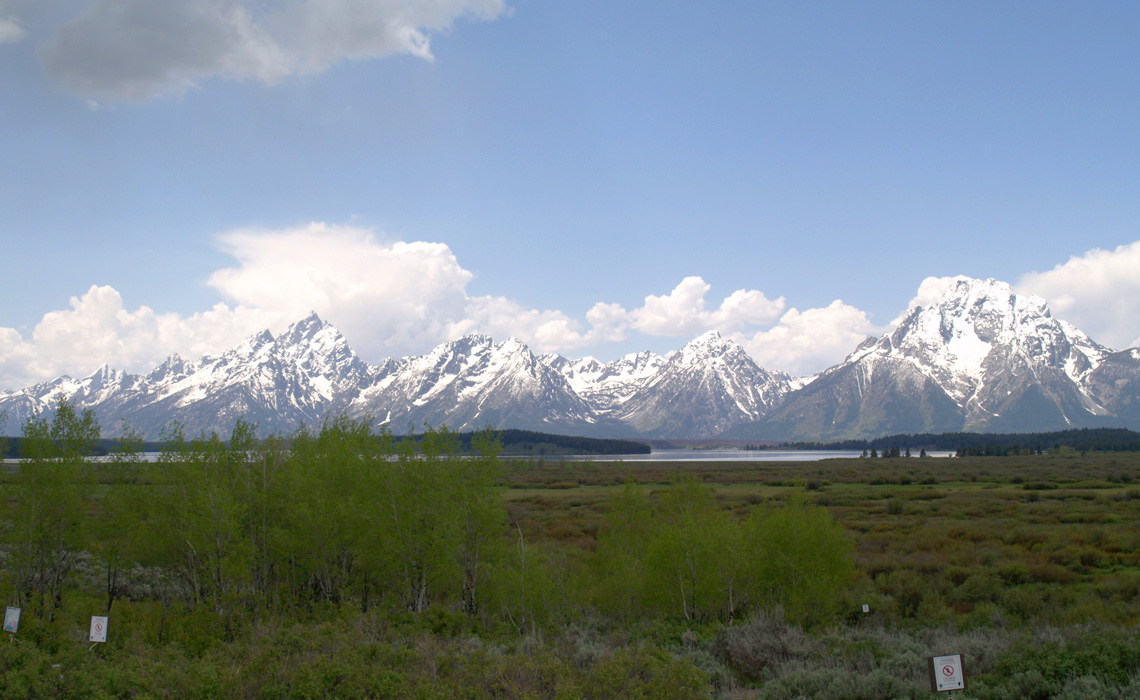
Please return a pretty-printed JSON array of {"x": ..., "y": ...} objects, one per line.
[
  {"x": 679, "y": 456},
  {"x": 728, "y": 456}
]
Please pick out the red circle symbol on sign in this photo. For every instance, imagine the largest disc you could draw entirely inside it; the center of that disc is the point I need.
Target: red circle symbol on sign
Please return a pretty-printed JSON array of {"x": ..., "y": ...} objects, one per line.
[{"x": 948, "y": 670}]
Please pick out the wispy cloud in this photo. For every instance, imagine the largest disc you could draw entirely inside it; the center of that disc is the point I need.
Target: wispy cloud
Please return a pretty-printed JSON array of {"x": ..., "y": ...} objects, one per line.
[
  {"x": 10, "y": 30},
  {"x": 136, "y": 50}
]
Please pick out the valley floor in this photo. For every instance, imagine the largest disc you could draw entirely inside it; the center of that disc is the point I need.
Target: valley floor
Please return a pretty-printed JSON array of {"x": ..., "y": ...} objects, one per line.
[{"x": 1029, "y": 567}]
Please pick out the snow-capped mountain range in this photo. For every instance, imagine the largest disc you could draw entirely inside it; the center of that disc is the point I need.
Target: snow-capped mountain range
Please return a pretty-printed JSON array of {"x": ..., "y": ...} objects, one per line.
[
  {"x": 980, "y": 358},
  {"x": 309, "y": 372}
]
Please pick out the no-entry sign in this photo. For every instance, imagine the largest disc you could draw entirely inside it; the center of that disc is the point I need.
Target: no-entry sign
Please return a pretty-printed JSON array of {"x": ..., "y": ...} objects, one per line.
[
  {"x": 946, "y": 673},
  {"x": 98, "y": 629},
  {"x": 12, "y": 620}
]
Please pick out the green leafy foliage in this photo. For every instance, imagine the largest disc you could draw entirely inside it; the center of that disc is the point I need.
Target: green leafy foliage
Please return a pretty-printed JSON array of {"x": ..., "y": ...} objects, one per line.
[
  {"x": 46, "y": 537},
  {"x": 335, "y": 562},
  {"x": 804, "y": 561},
  {"x": 684, "y": 556}
]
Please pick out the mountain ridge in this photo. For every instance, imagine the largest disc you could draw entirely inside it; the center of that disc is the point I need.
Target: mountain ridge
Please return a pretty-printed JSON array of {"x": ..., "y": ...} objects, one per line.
[{"x": 980, "y": 357}]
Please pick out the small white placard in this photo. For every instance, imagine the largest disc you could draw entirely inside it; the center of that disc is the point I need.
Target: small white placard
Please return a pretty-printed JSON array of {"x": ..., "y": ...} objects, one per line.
[
  {"x": 12, "y": 620},
  {"x": 98, "y": 629},
  {"x": 947, "y": 673},
  {"x": 866, "y": 608}
]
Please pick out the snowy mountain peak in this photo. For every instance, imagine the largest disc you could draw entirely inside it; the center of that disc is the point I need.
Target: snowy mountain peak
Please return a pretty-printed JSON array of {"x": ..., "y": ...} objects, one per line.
[
  {"x": 306, "y": 328},
  {"x": 991, "y": 307},
  {"x": 467, "y": 343},
  {"x": 973, "y": 336},
  {"x": 471, "y": 382},
  {"x": 316, "y": 341},
  {"x": 605, "y": 386},
  {"x": 705, "y": 347},
  {"x": 990, "y": 300},
  {"x": 171, "y": 368},
  {"x": 514, "y": 346},
  {"x": 708, "y": 338},
  {"x": 967, "y": 354},
  {"x": 248, "y": 348}
]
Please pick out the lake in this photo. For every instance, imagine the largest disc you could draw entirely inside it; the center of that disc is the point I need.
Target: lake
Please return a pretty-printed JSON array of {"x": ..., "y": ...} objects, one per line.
[
  {"x": 726, "y": 456},
  {"x": 681, "y": 456}
]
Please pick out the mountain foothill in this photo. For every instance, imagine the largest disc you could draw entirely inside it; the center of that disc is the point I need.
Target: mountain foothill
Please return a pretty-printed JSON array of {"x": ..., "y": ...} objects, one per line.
[{"x": 981, "y": 358}]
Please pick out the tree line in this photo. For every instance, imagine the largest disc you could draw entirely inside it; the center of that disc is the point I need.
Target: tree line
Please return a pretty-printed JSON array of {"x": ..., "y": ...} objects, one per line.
[
  {"x": 341, "y": 517},
  {"x": 529, "y": 442},
  {"x": 1078, "y": 439},
  {"x": 512, "y": 441}
]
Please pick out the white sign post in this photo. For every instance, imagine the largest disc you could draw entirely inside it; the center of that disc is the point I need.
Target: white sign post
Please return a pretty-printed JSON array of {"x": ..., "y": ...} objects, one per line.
[
  {"x": 12, "y": 620},
  {"x": 947, "y": 673},
  {"x": 98, "y": 629}
]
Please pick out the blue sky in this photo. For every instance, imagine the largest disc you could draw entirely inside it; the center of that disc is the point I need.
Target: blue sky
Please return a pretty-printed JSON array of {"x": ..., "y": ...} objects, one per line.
[{"x": 592, "y": 177}]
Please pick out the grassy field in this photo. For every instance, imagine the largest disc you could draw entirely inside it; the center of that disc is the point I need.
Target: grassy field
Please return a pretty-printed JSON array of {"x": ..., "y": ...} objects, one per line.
[
  {"x": 1027, "y": 566},
  {"x": 985, "y": 540}
]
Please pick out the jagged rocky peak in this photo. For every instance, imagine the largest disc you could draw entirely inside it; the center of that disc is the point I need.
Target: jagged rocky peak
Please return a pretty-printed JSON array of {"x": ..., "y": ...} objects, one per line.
[
  {"x": 467, "y": 345},
  {"x": 958, "y": 330},
  {"x": 246, "y": 350},
  {"x": 709, "y": 339},
  {"x": 314, "y": 339},
  {"x": 605, "y": 386},
  {"x": 869, "y": 344},
  {"x": 104, "y": 375},
  {"x": 970, "y": 353},
  {"x": 586, "y": 364},
  {"x": 482, "y": 348},
  {"x": 988, "y": 309},
  {"x": 703, "y": 389},
  {"x": 705, "y": 346},
  {"x": 452, "y": 356},
  {"x": 306, "y": 329},
  {"x": 172, "y": 367},
  {"x": 635, "y": 364},
  {"x": 588, "y": 367},
  {"x": 988, "y": 297},
  {"x": 513, "y": 349},
  {"x": 258, "y": 340},
  {"x": 985, "y": 346}
]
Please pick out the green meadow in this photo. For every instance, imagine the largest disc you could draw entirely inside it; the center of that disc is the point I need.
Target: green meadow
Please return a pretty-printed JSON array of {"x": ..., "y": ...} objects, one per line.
[{"x": 339, "y": 564}]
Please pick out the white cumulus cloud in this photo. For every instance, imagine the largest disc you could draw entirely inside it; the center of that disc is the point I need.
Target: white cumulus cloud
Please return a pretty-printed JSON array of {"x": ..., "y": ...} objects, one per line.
[
  {"x": 18, "y": 365},
  {"x": 98, "y": 329},
  {"x": 135, "y": 50},
  {"x": 394, "y": 298},
  {"x": 1098, "y": 292},
  {"x": 804, "y": 342},
  {"x": 683, "y": 312},
  {"x": 388, "y": 298},
  {"x": 544, "y": 331},
  {"x": 500, "y": 317}
]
